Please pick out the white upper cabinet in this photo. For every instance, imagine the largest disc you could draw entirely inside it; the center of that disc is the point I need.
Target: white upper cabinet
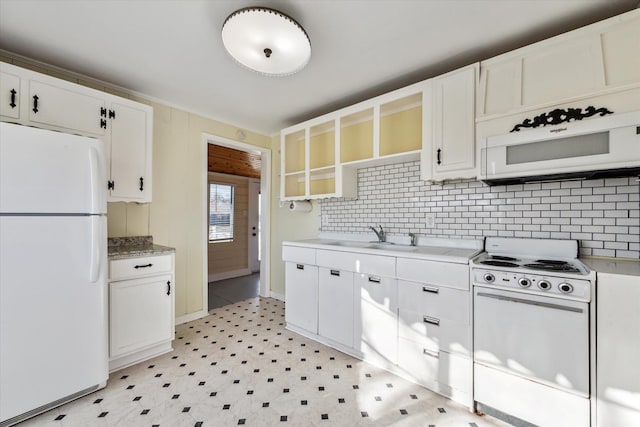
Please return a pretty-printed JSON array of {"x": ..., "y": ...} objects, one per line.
[
  {"x": 66, "y": 106},
  {"x": 320, "y": 157},
  {"x": 450, "y": 128},
  {"x": 9, "y": 95},
  {"x": 596, "y": 59},
  {"x": 35, "y": 99},
  {"x": 131, "y": 123}
]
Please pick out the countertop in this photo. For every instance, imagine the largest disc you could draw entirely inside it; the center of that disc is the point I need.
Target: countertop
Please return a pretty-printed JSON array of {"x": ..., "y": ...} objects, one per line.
[
  {"x": 460, "y": 255},
  {"x": 625, "y": 267},
  {"x": 136, "y": 246}
]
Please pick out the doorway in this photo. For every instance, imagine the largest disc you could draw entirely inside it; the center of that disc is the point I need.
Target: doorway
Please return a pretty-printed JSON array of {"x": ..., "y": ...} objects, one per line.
[{"x": 253, "y": 212}]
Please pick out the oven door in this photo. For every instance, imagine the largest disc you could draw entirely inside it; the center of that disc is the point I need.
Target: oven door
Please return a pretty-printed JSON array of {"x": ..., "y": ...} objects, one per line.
[{"x": 536, "y": 337}]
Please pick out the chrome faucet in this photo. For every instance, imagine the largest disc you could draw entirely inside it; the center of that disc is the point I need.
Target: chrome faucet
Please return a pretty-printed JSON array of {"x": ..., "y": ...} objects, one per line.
[
  {"x": 382, "y": 237},
  {"x": 414, "y": 239}
]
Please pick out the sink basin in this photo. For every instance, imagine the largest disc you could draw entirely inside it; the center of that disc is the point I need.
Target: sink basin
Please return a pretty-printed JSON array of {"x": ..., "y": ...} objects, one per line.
[
  {"x": 372, "y": 245},
  {"x": 400, "y": 248},
  {"x": 349, "y": 244}
]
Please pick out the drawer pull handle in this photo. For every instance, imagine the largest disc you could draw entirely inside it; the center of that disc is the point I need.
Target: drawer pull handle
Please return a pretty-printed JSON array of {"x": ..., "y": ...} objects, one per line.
[
  {"x": 300, "y": 266},
  {"x": 430, "y": 353},
  {"x": 143, "y": 266},
  {"x": 168, "y": 287},
  {"x": 374, "y": 279},
  {"x": 13, "y": 93},
  {"x": 430, "y": 289},
  {"x": 335, "y": 273},
  {"x": 431, "y": 320}
]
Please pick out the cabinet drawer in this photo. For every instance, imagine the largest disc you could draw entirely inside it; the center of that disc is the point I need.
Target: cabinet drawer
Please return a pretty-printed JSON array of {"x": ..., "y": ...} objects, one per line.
[
  {"x": 434, "y": 333},
  {"x": 300, "y": 255},
  {"x": 435, "y": 301},
  {"x": 378, "y": 265},
  {"x": 128, "y": 268},
  {"x": 438, "y": 370},
  {"x": 434, "y": 272}
]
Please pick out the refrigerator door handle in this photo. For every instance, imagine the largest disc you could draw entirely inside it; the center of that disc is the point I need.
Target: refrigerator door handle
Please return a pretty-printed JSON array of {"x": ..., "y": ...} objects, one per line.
[
  {"x": 96, "y": 248},
  {"x": 97, "y": 184}
]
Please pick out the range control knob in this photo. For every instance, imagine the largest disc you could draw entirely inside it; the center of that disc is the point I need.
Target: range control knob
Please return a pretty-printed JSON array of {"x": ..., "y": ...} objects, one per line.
[
  {"x": 565, "y": 288},
  {"x": 524, "y": 282},
  {"x": 544, "y": 285},
  {"x": 489, "y": 278}
]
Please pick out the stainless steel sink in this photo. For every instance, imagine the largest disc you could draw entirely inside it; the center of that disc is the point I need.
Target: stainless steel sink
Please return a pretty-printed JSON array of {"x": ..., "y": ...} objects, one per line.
[{"x": 373, "y": 245}]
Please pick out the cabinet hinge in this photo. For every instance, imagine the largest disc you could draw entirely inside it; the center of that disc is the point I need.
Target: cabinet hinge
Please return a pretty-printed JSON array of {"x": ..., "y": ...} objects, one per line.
[
  {"x": 112, "y": 114},
  {"x": 103, "y": 123},
  {"x": 103, "y": 112},
  {"x": 111, "y": 185}
]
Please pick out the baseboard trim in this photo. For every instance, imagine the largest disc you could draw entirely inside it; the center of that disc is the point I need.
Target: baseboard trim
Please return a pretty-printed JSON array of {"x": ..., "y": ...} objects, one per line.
[
  {"x": 229, "y": 274},
  {"x": 276, "y": 295},
  {"x": 191, "y": 317}
]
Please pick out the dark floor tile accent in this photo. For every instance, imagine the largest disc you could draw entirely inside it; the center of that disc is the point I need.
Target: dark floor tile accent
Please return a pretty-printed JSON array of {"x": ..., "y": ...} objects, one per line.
[
  {"x": 59, "y": 417},
  {"x": 441, "y": 410},
  {"x": 186, "y": 409},
  {"x": 413, "y": 396},
  {"x": 324, "y": 416},
  {"x": 97, "y": 401},
  {"x": 364, "y": 414},
  {"x": 303, "y": 402},
  {"x": 198, "y": 424},
  {"x": 226, "y": 406},
  {"x": 403, "y": 411},
  {"x": 103, "y": 414},
  {"x": 265, "y": 404},
  {"x": 145, "y": 411},
  {"x": 378, "y": 398},
  {"x": 175, "y": 396},
  {"x": 283, "y": 418},
  {"x": 241, "y": 421},
  {"x": 137, "y": 398},
  {"x": 341, "y": 400}
]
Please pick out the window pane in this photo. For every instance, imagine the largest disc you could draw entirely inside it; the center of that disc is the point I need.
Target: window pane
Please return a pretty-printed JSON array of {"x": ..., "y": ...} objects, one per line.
[{"x": 220, "y": 212}]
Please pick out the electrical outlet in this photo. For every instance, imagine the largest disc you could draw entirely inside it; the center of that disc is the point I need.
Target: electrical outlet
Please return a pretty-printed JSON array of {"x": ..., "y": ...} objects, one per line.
[
  {"x": 324, "y": 220},
  {"x": 430, "y": 220}
]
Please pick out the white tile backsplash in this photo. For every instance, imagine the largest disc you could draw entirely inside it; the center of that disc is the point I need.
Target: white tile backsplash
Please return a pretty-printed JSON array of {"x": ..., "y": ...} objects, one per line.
[{"x": 604, "y": 214}]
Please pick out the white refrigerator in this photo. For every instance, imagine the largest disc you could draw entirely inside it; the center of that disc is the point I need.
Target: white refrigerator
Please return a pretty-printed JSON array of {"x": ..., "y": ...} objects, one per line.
[{"x": 53, "y": 257}]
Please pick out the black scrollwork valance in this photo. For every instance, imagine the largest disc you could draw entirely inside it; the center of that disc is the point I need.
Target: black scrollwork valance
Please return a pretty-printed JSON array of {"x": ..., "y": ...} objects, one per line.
[{"x": 558, "y": 116}]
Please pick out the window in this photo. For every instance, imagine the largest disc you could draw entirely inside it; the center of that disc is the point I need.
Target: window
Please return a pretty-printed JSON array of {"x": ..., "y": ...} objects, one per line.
[{"x": 220, "y": 212}]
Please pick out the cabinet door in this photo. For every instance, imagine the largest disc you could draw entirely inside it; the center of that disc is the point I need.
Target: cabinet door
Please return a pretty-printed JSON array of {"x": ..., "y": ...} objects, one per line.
[
  {"x": 618, "y": 350},
  {"x": 454, "y": 124},
  {"x": 301, "y": 296},
  {"x": 335, "y": 305},
  {"x": 130, "y": 151},
  {"x": 140, "y": 314},
  {"x": 9, "y": 95},
  {"x": 65, "y": 106},
  {"x": 376, "y": 319}
]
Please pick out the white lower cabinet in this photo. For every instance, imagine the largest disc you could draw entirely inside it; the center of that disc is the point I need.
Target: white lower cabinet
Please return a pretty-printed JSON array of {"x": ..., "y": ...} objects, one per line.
[
  {"x": 335, "y": 305},
  {"x": 618, "y": 350},
  {"x": 301, "y": 296},
  {"x": 376, "y": 318},
  {"x": 409, "y": 316},
  {"x": 141, "y": 309}
]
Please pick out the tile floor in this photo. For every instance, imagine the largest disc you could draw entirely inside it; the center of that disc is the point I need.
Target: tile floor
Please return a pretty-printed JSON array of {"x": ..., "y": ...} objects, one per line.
[
  {"x": 230, "y": 291},
  {"x": 240, "y": 366}
]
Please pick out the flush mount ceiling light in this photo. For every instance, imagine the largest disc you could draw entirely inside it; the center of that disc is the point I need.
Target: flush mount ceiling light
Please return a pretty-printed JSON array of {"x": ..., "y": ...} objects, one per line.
[{"x": 266, "y": 40}]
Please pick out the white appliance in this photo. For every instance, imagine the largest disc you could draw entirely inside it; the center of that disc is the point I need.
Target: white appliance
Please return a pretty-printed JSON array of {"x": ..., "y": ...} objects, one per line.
[
  {"x": 532, "y": 314},
  {"x": 590, "y": 148},
  {"x": 53, "y": 255}
]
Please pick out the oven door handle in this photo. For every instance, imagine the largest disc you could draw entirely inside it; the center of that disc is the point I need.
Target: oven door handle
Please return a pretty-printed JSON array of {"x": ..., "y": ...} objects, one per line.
[{"x": 529, "y": 302}]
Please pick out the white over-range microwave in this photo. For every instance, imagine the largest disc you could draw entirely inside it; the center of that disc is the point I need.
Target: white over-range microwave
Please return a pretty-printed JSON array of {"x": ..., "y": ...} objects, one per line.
[{"x": 590, "y": 148}]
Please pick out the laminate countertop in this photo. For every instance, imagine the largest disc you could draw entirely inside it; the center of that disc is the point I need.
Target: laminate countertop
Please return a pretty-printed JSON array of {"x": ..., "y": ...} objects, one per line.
[
  {"x": 136, "y": 246},
  {"x": 625, "y": 267}
]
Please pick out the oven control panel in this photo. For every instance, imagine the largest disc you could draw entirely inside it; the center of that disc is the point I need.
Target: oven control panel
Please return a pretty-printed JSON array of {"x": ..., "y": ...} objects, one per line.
[{"x": 559, "y": 287}]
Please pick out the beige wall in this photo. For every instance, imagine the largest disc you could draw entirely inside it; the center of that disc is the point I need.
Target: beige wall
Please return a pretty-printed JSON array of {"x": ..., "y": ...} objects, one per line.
[
  {"x": 231, "y": 256},
  {"x": 175, "y": 217}
]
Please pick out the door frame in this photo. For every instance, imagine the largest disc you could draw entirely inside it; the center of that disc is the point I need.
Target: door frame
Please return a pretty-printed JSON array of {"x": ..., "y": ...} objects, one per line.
[
  {"x": 265, "y": 218},
  {"x": 253, "y": 210}
]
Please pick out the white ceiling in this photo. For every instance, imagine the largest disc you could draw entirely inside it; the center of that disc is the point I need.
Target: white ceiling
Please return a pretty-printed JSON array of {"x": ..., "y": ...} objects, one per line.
[{"x": 171, "y": 50}]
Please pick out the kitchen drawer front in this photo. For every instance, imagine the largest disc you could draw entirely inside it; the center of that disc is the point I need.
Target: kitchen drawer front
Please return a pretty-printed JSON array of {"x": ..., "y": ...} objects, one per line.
[
  {"x": 129, "y": 268},
  {"x": 437, "y": 370},
  {"x": 435, "y": 301},
  {"x": 378, "y": 265},
  {"x": 299, "y": 255},
  {"x": 434, "y": 333},
  {"x": 434, "y": 272}
]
